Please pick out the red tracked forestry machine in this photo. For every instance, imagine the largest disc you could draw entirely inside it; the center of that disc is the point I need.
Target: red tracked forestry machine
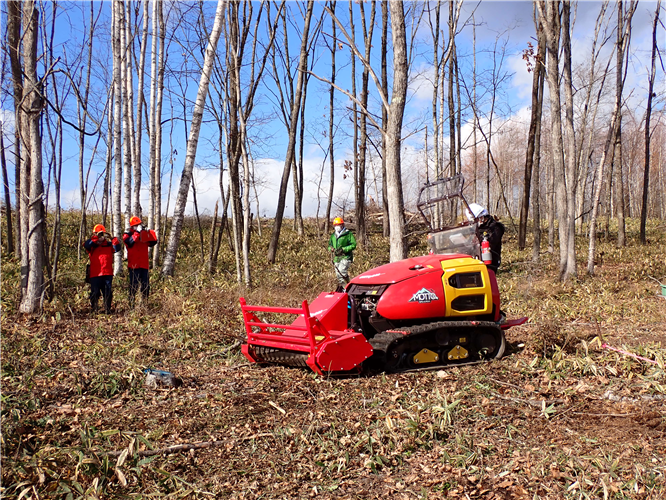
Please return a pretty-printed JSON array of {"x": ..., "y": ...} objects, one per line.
[{"x": 425, "y": 312}]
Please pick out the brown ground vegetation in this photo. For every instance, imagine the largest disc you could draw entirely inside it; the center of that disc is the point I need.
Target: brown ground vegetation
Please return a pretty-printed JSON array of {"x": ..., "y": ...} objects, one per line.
[{"x": 557, "y": 417}]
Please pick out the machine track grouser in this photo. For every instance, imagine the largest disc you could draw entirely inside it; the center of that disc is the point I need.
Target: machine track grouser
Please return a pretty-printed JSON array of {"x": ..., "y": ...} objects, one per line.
[{"x": 420, "y": 313}]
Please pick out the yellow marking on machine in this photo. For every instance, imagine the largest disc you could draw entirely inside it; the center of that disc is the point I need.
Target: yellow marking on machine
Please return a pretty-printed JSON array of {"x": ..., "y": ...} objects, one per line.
[
  {"x": 425, "y": 356},
  {"x": 458, "y": 352},
  {"x": 466, "y": 265}
]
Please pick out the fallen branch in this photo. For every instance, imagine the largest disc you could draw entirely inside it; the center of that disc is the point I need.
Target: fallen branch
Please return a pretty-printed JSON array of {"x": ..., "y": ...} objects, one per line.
[
  {"x": 607, "y": 414},
  {"x": 232, "y": 346},
  {"x": 537, "y": 403},
  {"x": 506, "y": 384},
  {"x": 627, "y": 353},
  {"x": 235, "y": 367}
]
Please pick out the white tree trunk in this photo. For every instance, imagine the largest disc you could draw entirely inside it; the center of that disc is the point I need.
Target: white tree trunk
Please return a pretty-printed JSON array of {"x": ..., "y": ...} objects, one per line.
[
  {"x": 394, "y": 133},
  {"x": 109, "y": 156},
  {"x": 33, "y": 197},
  {"x": 140, "y": 101},
  {"x": 130, "y": 138},
  {"x": 156, "y": 193},
  {"x": 126, "y": 111},
  {"x": 117, "y": 144},
  {"x": 233, "y": 135},
  {"x": 247, "y": 276},
  {"x": 151, "y": 119},
  {"x": 570, "y": 168},
  {"x": 549, "y": 17},
  {"x": 197, "y": 116}
]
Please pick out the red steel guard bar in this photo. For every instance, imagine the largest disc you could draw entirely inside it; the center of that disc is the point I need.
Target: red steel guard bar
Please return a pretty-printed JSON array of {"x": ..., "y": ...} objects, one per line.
[
  {"x": 328, "y": 352},
  {"x": 312, "y": 325}
]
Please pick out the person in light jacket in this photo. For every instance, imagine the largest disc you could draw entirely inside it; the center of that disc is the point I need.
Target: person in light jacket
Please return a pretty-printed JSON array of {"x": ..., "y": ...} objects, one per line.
[{"x": 341, "y": 245}]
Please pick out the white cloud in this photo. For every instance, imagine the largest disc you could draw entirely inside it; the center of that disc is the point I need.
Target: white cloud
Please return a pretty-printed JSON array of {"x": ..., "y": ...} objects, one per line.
[
  {"x": 8, "y": 119},
  {"x": 522, "y": 79},
  {"x": 422, "y": 83},
  {"x": 268, "y": 176}
]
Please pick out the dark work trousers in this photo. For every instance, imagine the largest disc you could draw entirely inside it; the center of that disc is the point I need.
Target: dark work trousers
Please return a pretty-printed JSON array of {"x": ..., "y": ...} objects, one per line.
[
  {"x": 101, "y": 285},
  {"x": 138, "y": 280}
]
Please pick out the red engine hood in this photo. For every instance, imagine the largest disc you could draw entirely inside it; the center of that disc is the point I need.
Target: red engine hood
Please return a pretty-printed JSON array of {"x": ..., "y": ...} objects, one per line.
[{"x": 404, "y": 269}]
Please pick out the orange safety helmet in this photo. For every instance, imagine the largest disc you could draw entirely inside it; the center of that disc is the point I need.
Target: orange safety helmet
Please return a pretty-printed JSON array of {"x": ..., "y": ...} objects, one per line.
[
  {"x": 99, "y": 229},
  {"x": 338, "y": 221},
  {"x": 135, "y": 221}
]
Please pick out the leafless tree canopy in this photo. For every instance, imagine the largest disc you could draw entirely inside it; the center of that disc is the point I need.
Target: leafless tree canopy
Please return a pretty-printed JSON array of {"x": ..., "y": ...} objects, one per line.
[{"x": 319, "y": 109}]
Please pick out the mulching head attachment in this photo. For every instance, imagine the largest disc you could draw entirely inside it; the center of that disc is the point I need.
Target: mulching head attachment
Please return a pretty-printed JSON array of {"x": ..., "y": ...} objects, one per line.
[{"x": 320, "y": 340}]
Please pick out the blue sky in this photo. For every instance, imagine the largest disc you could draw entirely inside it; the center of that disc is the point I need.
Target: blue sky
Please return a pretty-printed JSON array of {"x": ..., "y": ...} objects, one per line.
[{"x": 507, "y": 23}]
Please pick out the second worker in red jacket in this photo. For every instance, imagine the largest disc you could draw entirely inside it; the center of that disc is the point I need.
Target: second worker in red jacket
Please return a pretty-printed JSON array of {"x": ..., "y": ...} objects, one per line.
[
  {"x": 101, "y": 247},
  {"x": 138, "y": 239}
]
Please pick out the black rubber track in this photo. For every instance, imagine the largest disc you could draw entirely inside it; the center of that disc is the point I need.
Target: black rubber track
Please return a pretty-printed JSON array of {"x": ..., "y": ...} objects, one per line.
[{"x": 393, "y": 348}]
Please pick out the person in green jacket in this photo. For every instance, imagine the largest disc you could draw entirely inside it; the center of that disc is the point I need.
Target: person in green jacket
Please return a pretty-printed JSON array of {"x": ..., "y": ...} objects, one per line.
[{"x": 341, "y": 245}]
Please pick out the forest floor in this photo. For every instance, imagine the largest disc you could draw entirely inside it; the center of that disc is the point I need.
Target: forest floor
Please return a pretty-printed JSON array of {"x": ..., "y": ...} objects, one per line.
[{"x": 557, "y": 417}]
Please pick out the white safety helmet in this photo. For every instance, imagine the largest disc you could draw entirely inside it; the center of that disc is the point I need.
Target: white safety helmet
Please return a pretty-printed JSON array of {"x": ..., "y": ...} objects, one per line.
[{"x": 475, "y": 211}]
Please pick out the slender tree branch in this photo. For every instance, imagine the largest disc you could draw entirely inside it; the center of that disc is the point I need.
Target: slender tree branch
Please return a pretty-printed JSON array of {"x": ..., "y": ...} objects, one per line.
[{"x": 352, "y": 97}]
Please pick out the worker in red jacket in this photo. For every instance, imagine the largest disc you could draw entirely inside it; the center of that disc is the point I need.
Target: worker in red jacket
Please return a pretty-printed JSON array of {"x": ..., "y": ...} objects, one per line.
[
  {"x": 138, "y": 239},
  {"x": 101, "y": 247}
]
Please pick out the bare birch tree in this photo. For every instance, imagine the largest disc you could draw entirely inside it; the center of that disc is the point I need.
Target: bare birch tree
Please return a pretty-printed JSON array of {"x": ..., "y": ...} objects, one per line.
[
  {"x": 535, "y": 124},
  {"x": 33, "y": 276},
  {"x": 289, "y": 158},
  {"x": 331, "y": 105},
  {"x": 386, "y": 224},
  {"x": 5, "y": 184},
  {"x": 52, "y": 255},
  {"x": 354, "y": 106},
  {"x": 127, "y": 109},
  {"x": 82, "y": 111},
  {"x": 618, "y": 182},
  {"x": 398, "y": 249},
  {"x": 590, "y": 112},
  {"x": 240, "y": 110},
  {"x": 140, "y": 102},
  {"x": 152, "y": 118},
  {"x": 536, "y": 203},
  {"x": 392, "y": 133},
  {"x": 244, "y": 113},
  {"x": 551, "y": 19},
  {"x": 434, "y": 24},
  {"x": 450, "y": 95},
  {"x": 368, "y": 29},
  {"x": 192, "y": 143},
  {"x": 14, "y": 45},
  {"x": 117, "y": 139},
  {"x": 156, "y": 135},
  {"x": 623, "y": 38},
  {"x": 570, "y": 177},
  {"x": 648, "y": 113}
]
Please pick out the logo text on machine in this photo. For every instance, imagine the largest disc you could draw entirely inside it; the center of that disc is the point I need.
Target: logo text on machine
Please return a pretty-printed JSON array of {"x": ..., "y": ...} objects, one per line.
[{"x": 424, "y": 296}]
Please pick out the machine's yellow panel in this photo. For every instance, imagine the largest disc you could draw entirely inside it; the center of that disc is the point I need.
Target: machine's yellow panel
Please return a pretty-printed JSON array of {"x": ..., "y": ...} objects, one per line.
[{"x": 463, "y": 302}]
